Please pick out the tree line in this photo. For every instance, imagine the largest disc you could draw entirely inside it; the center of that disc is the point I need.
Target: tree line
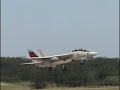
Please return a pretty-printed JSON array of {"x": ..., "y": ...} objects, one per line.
[{"x": 99, "y": 71}]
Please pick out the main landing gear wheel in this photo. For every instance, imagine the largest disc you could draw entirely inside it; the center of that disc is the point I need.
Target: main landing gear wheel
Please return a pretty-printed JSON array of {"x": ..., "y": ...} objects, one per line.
[
  {"x": 50, "y": 68},
  {"x": 81, "y": 63},
  {"x": 64, "y": 59},
  {"x": 33, "y": 65},
  {"x": 64, "y": 68}
]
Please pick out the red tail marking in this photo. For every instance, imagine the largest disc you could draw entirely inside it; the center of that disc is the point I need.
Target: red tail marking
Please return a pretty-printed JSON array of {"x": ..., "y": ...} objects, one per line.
[{"x": 32, "y": 54}]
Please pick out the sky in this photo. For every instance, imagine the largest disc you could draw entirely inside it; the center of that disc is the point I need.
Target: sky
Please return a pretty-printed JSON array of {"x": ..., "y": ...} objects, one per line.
[{"x": 57, "y": 26}]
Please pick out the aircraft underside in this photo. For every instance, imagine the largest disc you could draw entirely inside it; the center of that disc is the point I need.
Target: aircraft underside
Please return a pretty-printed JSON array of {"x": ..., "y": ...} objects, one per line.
[{"x": 52, "y": 64}]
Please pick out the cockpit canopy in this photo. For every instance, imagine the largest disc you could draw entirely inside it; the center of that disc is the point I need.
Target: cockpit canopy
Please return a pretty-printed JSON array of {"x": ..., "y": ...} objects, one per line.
[{"x": 84, "y": 50}]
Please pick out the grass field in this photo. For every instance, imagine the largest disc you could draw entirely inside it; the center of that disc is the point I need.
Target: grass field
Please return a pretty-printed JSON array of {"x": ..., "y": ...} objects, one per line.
[
  {"x": 25, "y": 86},
  {"x": 14, "y": 86}
]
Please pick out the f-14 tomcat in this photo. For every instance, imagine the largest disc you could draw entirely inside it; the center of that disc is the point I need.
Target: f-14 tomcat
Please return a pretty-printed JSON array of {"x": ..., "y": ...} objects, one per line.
[{"x": 43, "y": 60}]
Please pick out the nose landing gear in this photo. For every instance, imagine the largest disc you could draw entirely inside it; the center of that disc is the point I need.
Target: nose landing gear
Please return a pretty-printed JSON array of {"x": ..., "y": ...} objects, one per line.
[
  {"x": 49, "y": 68},
  {"x": 64, "y": 68},
  {"x": 81, "y": 62}
]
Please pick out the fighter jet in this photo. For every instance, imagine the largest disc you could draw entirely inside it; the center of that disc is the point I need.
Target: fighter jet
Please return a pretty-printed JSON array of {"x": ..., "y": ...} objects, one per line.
[{"x": 43, "y": 60}]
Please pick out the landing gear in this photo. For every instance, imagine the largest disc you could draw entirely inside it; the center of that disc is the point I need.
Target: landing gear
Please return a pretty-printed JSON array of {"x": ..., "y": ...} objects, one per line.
[
  {"x": 50, "y": 68},
  {"x": 64, "y": 59},
  {"x": 34, "y": 65},
  {"x": 64, "y": 68},
  {"x": 81, "y": 62}
]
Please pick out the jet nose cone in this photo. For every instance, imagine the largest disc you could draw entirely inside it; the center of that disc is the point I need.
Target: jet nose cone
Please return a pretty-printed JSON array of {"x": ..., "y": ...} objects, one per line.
[{"x": 94, "y": 53}]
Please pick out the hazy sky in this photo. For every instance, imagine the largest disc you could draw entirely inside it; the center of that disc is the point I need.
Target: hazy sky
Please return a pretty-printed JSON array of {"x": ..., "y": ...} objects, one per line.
[{"x": 57, "y": 26}]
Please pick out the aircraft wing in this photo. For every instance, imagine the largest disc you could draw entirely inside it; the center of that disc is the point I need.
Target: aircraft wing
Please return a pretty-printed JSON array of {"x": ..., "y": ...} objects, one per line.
[
  {"x": 64, "y": 56},
  {"x": 54, "y": 57},
  {"x": 31, "y": 63}
]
